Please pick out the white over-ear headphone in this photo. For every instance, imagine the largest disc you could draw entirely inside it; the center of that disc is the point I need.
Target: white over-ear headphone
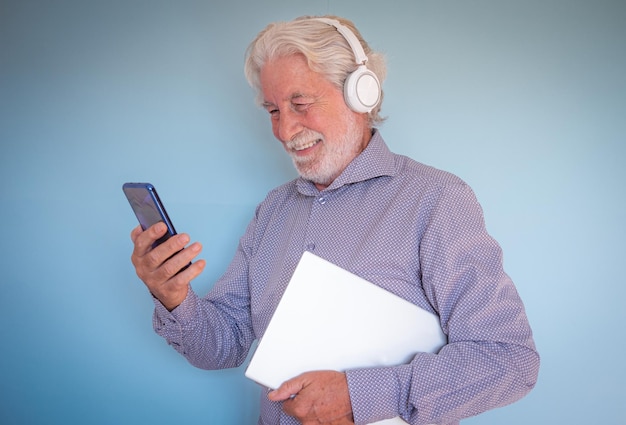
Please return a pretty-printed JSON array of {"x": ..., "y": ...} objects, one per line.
[{"x": 361, "y": 89}]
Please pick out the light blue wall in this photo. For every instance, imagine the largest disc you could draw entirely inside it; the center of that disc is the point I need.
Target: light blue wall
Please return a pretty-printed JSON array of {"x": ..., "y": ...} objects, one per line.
[{"x": 525, "y": 100}]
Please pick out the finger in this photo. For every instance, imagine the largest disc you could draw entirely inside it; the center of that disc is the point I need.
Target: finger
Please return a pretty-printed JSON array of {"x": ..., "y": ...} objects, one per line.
[
  {"x": 174, "y": 291},
  {"x": 154, "y": 257},
  {"x": 287, "y": 390},
  {"x": 135, "y": 232},
  {"x": 181, "y": 258},
  {"x": 186, "y": 275},
  {"x": 149, "y": 265},
  {"x": 146, "y": 239}
]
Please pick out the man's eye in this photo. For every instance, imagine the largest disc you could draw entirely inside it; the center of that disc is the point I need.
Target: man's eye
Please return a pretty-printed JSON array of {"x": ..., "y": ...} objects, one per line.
[{"x": 301, "y": 106}]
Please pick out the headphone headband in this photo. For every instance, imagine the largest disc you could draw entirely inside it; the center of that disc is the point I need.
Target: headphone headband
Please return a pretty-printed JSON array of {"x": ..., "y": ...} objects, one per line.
[
  {"x": 361, "y": 90},
  {"x": 359, "y": 54}
]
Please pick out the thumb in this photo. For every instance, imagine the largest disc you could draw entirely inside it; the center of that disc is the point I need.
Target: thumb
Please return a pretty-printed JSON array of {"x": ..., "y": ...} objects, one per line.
[{"x": 287, "y": 390}]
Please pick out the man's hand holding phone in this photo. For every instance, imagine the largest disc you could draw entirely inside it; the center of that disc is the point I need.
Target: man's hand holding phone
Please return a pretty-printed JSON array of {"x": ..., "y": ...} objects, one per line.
[
  {"x": 160, "y": 267},
  {"x": 161, "y": 257}
]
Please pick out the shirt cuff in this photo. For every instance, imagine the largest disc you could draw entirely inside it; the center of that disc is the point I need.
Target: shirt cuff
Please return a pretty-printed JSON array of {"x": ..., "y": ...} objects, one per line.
[
  {"x": 170, "y": 324},
  {"x": 374, "y": 394}
]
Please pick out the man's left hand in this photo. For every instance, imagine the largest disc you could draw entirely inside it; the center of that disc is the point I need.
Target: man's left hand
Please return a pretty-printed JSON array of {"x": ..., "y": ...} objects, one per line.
[{"x": 316, "y": 397}]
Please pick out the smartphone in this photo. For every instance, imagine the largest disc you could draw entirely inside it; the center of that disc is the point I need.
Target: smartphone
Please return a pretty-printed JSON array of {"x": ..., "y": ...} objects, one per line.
[{"x": 148, "y": 208}]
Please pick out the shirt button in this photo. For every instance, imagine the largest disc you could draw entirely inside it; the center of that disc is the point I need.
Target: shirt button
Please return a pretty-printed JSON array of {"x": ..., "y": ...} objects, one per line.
[
  {"x": 321, "y": 200},
  {"x": 310, "y": 246}
]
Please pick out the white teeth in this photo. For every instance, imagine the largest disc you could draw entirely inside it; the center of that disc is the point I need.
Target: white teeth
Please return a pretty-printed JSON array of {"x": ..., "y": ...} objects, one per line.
[{"x": 306, "y": 146}]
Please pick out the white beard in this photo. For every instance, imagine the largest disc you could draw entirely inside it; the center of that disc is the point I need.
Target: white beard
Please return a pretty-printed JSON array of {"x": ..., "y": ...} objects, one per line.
[{"x": 331, "y": 158}]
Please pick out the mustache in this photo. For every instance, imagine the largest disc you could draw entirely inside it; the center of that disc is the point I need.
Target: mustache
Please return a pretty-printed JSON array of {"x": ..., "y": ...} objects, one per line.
[{"x": 304, "y": 138}]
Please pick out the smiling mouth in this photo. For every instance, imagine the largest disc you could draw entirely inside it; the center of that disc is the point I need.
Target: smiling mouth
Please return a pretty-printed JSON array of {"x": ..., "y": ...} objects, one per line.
[{"x": 304, "y": 146}]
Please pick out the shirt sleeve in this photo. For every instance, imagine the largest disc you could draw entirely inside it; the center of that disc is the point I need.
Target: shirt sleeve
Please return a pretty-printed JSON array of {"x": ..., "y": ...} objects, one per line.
[
  {"x": 490, "y": 359},
  {"x": 213, "y": 332}
]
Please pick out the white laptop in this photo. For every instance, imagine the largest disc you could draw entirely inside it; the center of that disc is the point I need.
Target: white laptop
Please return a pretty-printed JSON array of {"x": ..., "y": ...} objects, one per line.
[{"x": 329, "y": 318}]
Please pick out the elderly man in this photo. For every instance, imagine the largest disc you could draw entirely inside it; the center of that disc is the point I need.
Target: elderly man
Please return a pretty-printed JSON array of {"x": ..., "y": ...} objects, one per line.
[{"x": 414, "y": 230}]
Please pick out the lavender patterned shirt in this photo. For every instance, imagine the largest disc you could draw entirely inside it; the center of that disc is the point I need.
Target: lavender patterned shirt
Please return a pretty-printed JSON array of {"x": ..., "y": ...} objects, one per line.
[{"x": 407, "y": 227}]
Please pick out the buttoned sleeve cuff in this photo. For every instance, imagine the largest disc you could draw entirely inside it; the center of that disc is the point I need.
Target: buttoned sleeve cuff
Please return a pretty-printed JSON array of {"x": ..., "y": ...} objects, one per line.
[
  {"x": 374, "y": 394},
  {"x": 170, "y": 325}
]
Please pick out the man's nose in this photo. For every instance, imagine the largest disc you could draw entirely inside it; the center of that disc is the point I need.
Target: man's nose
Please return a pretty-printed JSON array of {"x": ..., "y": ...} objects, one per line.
[{"x": 289, "y": 125}]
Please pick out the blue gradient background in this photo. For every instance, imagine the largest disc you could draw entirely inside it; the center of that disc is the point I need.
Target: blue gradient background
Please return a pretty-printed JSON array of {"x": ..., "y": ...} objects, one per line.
[{"x": 525, "y": 100}]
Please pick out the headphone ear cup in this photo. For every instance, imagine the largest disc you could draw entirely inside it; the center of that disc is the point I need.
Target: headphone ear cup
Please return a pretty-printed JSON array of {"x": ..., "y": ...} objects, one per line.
[{"x": 362, "y": 90}]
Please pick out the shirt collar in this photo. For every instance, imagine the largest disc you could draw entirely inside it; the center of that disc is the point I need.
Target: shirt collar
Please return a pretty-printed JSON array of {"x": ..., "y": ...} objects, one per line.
[{"x": 376, "y": 160}]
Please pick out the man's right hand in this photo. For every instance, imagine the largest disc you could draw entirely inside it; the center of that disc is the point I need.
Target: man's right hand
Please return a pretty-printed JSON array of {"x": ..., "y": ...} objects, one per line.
[{"x": 158, "y": 267}]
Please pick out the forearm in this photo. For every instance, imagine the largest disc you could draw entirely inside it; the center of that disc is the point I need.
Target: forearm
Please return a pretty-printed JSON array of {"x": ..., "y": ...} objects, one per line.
[
  {"x": 464, "y": 379},
  {"x": 205, "y": 335}
]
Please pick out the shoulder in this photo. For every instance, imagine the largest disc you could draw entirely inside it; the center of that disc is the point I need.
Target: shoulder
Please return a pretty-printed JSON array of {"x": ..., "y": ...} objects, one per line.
[
  {"x": 417, "y": 173},
  {"x": 411, "y": 170}
]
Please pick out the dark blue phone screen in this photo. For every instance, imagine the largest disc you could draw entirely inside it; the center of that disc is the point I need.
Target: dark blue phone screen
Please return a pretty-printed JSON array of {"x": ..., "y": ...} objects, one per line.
[
  {"x": 147, "y": 207},
  {"x": 144, "y": 206}
]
